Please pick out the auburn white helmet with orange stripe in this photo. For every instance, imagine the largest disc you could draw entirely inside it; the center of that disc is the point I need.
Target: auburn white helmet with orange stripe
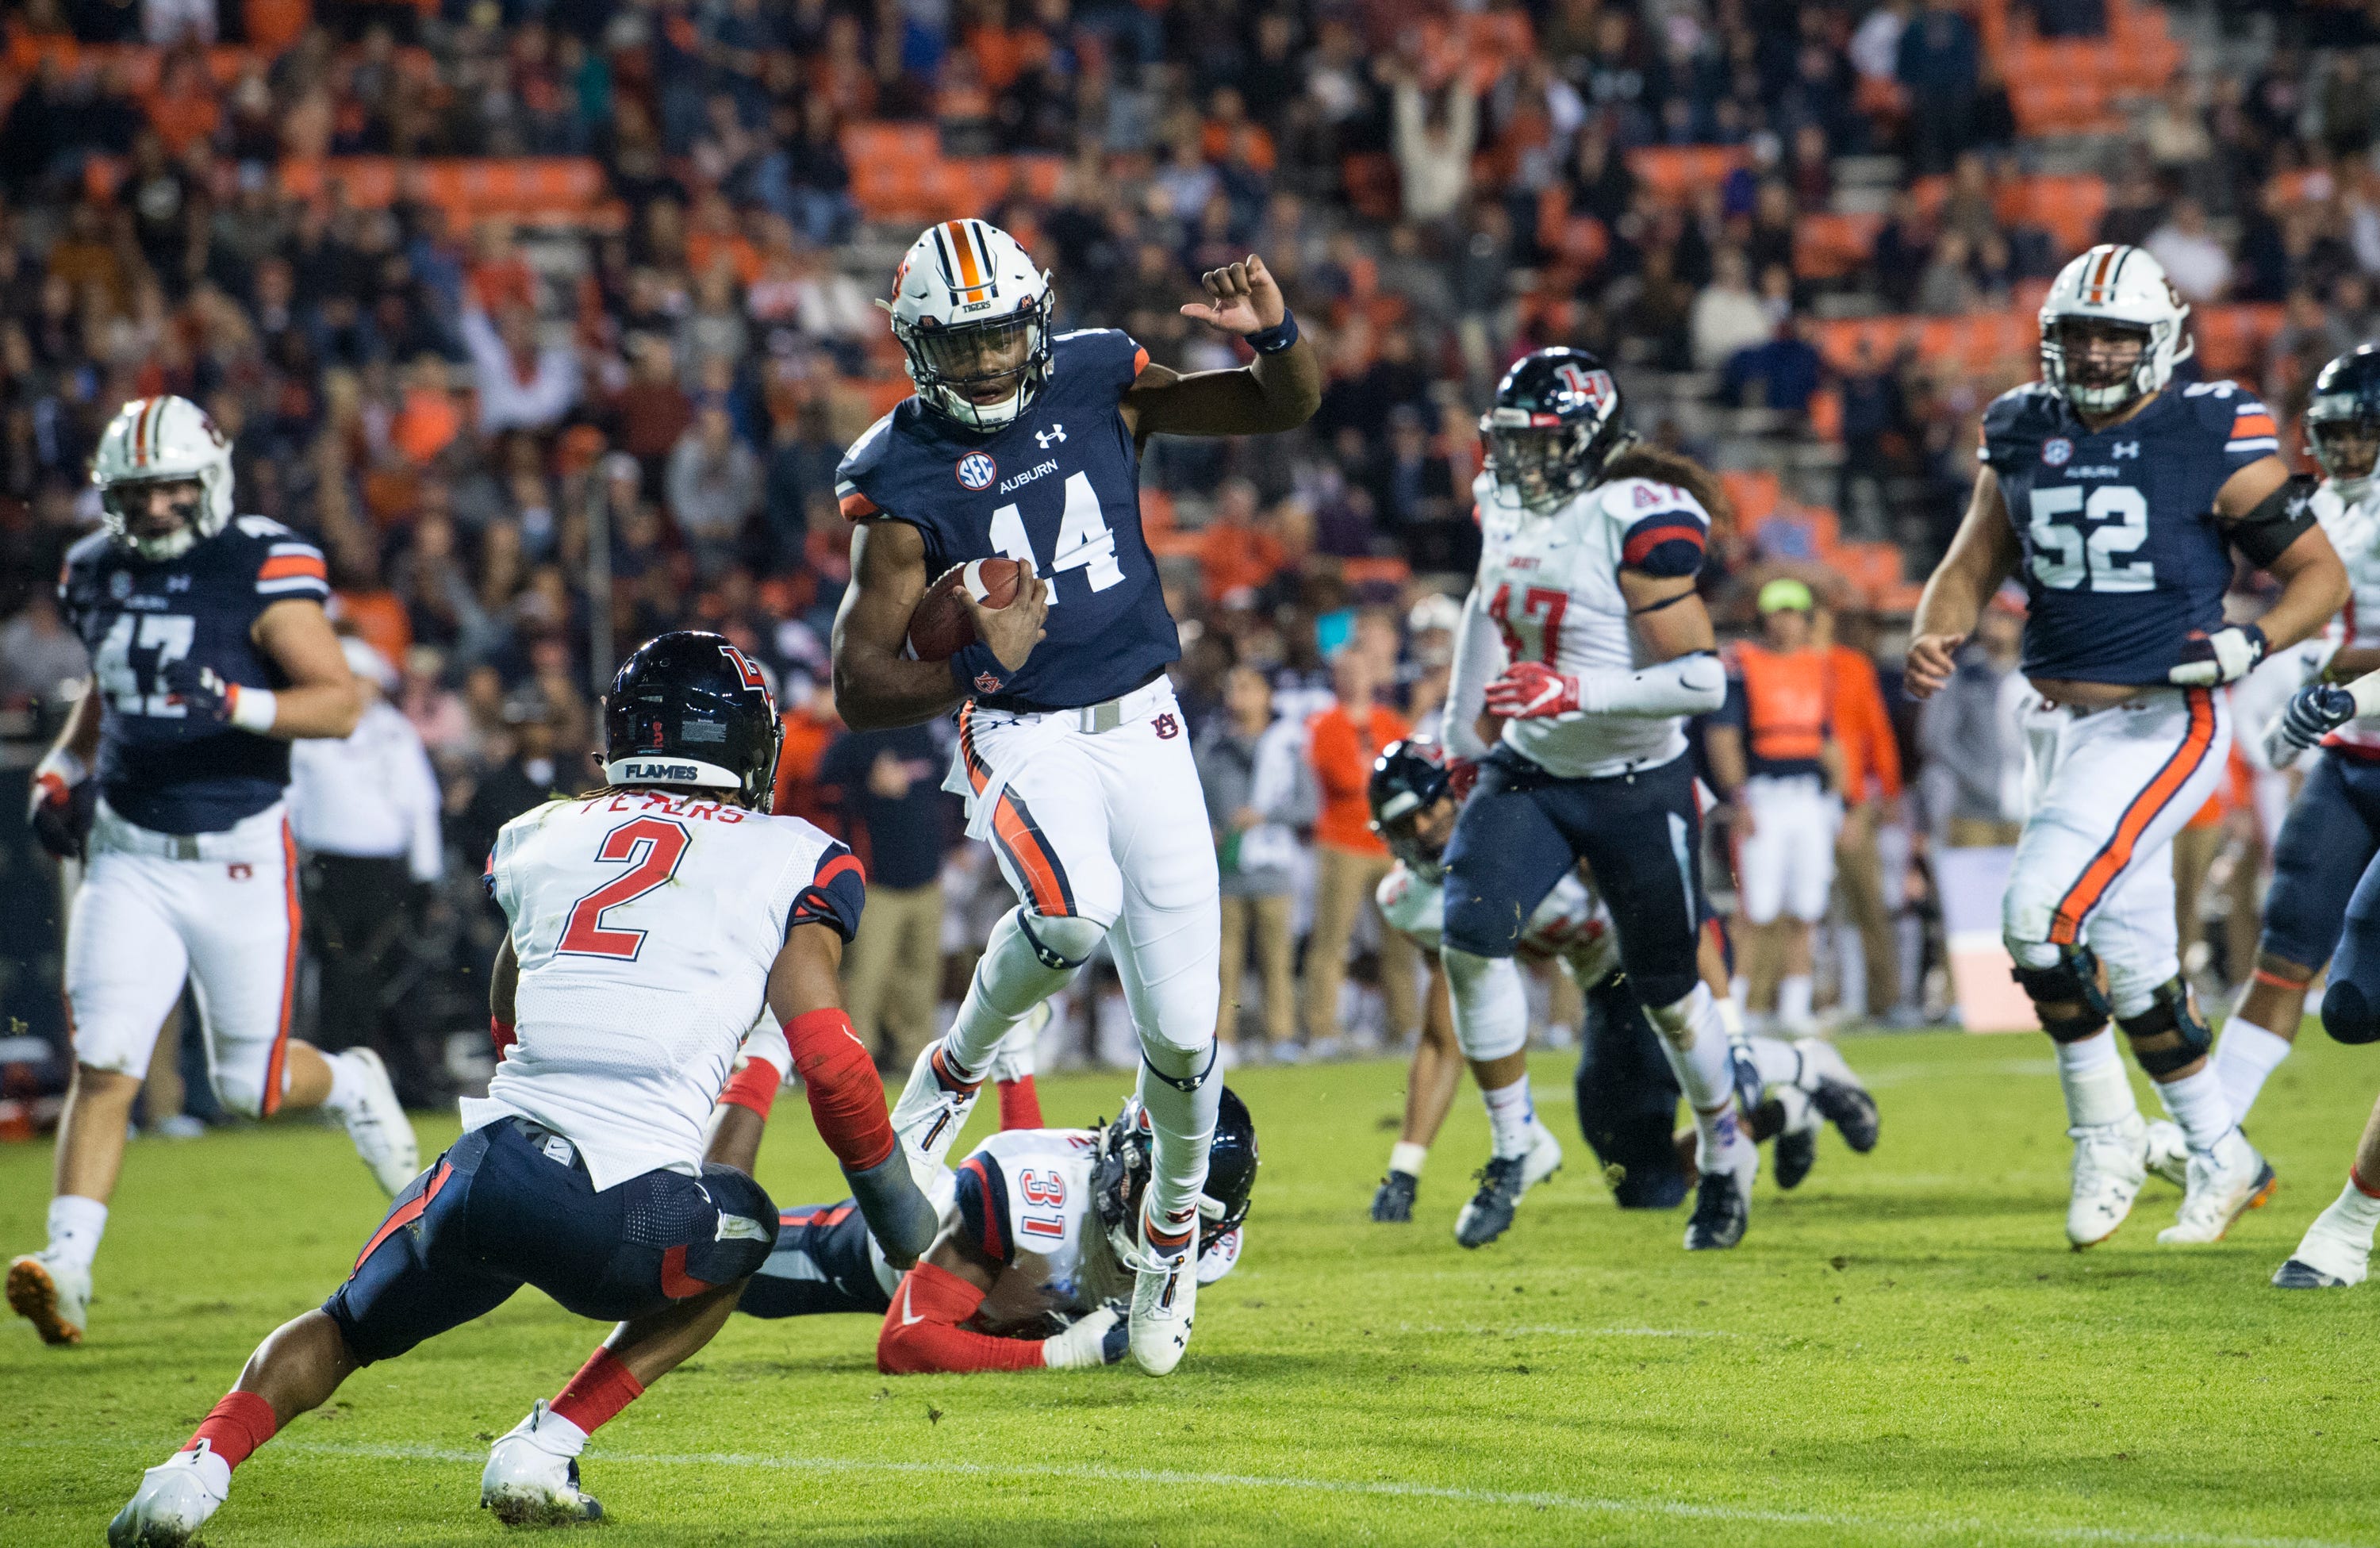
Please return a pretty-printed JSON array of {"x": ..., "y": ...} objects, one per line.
[
  {"x": 163, "y": 440},
  {"x": 2122, "y": 289},
  {"x": 972, "y": 313}
]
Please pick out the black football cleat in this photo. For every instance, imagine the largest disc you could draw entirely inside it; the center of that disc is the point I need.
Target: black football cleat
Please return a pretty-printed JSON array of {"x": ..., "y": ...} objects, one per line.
[
  {"x": 1851, "y": 1110},
  {"x": 1794, "y": 1154},
  {"x": 2297, "y": 1275},
  {"x": 1490, "y": 1214},
  {"x": 1392, "y": 1205},
  {"x": 1722, "y": 1210}
]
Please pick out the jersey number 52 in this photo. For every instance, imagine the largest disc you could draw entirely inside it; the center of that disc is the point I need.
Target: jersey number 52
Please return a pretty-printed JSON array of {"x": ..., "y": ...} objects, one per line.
[{"x": 2066, "y": 556}]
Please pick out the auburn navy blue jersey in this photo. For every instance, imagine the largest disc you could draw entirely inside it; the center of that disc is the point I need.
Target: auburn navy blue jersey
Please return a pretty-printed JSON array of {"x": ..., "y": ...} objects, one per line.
[
  {"x": 158, "y": 766},
  {"x": 2123, "y": 556},
  {"x": 1058, "y": 489}
]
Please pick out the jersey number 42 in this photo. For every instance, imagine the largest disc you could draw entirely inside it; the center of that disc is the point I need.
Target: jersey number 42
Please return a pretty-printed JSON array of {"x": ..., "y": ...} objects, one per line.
[{"x": 2080, "y": 538}]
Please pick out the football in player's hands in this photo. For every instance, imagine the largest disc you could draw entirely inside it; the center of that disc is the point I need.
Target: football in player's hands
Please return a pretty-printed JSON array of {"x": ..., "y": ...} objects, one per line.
[{"x": 942, "y": 625}]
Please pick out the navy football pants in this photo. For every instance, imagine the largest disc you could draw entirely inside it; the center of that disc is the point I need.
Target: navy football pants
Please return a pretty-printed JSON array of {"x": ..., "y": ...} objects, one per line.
[
  {"x": 2330, "y": 835},
  {"x": 499, "y": 1211},
  {"x": 1628, "y": 1099},
  {"x": 821, "y": 1264},
  {"x": 1642, "y": 834}
]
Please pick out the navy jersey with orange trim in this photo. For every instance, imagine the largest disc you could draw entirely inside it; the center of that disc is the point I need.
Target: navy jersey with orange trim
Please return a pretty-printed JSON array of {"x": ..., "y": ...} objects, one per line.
[
  {"x": 158, "y": 766},
  {"x": 1058, "y": 489},
  {"x": 2122, "y": 555}
]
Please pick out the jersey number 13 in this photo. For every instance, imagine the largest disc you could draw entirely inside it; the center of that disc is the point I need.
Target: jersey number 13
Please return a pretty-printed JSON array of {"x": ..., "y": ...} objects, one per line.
[{"x": 2080, "y": 538}]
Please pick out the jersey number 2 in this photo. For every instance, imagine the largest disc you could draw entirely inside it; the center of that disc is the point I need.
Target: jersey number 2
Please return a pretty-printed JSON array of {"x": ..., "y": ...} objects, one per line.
[
  {"x": 2066, "y": 558},
  {"x": 1541, "y": 613},
  {"x": 1084, "y": 542},
  {"x": 654, "y": 847}
]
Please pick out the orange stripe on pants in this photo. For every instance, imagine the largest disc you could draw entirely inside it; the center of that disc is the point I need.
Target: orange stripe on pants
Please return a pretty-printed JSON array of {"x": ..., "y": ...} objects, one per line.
[
  {"x": 270, "y": 1102},
  {"x": 2066, "y": 925},
  {"x": 1032, "y": 862}
]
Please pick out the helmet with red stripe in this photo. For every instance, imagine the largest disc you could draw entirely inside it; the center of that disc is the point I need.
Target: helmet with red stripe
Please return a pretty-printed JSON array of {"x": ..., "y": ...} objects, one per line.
[
  {"x": 972, "y": 313},
  {"x": 162, "y": 440},
  {"x": 2111, "y": 329}
]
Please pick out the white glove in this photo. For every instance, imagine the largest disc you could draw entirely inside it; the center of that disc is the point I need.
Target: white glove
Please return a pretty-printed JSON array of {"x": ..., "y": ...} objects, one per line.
[
  {"x": 1095, "y": 1338},
  {"x": 2225, "y": 656}
]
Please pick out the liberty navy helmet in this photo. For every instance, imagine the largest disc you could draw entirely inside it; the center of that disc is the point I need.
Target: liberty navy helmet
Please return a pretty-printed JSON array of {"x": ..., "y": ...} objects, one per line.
[
  {"x": 1555, "y": 421},
  {"x": 2342, "y": 422},
  {"x": 689, "y": 708},
  {"x": 1407, "y": 778},
  {"x": 1124, "y": 1166}
]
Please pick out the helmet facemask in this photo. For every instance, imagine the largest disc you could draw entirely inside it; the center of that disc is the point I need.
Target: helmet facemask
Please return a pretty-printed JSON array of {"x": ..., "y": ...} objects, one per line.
[
  {"x": 982, "y": 374},
  {"x": 2344, "y": 437},
  {"x": 125, "y": 501},
  {"x": 1540, "y": 466},
  {"x": 2100, "y": 374}
]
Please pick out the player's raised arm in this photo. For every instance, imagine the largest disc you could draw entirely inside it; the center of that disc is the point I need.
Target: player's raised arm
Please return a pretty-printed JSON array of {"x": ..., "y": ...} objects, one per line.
[
  {"x": 1279, "y": 390},
  {"x": 876, "y": 685},
  {"x": 1981, "y": 555}
]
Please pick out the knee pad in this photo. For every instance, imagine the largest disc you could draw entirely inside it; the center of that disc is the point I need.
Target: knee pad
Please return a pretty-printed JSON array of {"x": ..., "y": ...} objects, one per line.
[
  {"x": 1061, "y": 942},
  {"x": 2169, "y": 1011},
  {"x": 1491, "y": 1009},
  {"x": 2347, "y": 1015},
  {"x": 1203, "y": 1067},
  {"x": 2074, "y": 980}
]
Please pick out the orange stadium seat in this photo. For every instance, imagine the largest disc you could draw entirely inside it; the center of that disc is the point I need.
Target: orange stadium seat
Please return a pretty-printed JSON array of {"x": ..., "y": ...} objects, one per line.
[{"x": 1674, "y": 173}]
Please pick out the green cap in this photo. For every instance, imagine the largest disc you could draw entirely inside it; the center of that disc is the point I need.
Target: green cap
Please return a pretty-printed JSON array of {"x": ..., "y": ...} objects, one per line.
[{"x": 1785, "y": 593}]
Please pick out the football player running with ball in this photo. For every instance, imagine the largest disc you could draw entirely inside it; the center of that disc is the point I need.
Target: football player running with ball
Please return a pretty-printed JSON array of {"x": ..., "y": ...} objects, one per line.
[
  {"x": 654, "y": 923},
  {"x": 210, "y": 653},
  {"x": 2119, "y": 499},
  {"x": 1073, "y": 756},
  {"x": 1583, "y": 646}
]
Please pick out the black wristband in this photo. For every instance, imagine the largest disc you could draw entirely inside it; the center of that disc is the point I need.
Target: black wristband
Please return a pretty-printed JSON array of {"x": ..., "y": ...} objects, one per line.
[
  {"x": 1278, "y": 338},
  {"x": 979, "y": 670}
]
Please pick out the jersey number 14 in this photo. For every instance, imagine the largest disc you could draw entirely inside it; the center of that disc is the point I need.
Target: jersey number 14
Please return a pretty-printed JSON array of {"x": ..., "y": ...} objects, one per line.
[
  {"x": 2065, "y": 556},
  {"x": 1083, "y": 541}
]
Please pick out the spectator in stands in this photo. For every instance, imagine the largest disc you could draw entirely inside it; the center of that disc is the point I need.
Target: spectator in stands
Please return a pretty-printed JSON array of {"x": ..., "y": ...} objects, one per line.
[
  {"x": 1342, "y": 744},
  {"x": 1727, "y": 316},
  {"x": 2194, "y": 257},
  {"x": 1435, "y": 134},
  {"x": 714, "y": 484},
  {"x": 1939, "y": 63},
  {"x": 1260, "y": 793},
  {"x": 1782, "y": 373},
  {"x": 522, "y": 385},
  {"x": 887, "y": 786}
]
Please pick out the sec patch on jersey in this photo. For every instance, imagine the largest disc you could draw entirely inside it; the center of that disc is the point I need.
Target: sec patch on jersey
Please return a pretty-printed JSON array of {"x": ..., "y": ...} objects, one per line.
[{"x": 941, "y": 627}]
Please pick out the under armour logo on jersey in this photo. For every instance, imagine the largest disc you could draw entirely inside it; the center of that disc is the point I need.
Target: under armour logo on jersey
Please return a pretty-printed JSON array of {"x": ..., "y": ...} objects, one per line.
[
  {"x": 2127, "y": 448},
  {"x": 1168, "y": 727},
  {"x": 1051, "y": 436}
]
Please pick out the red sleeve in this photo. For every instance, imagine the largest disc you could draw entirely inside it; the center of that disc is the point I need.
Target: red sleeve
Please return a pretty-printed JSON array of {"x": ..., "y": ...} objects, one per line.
[{"x": 922, "y": 1333}]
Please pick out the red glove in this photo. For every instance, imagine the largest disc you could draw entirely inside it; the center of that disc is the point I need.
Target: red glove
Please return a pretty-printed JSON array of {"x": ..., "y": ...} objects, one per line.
[{"x": 1531, "y": 691}]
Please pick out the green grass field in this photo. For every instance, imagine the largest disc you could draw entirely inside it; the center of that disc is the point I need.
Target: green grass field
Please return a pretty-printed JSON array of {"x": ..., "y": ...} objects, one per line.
[{"x": 1902, "y": 1351}]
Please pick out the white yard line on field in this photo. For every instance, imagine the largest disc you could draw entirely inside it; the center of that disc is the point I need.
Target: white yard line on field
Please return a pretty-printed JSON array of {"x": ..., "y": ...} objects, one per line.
[{"x": 1996, "y": 1530}]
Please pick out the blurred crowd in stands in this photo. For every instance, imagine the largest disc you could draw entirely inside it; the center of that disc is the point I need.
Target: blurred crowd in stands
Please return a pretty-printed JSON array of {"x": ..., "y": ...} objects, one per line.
[{"x": 551, "y": 317}]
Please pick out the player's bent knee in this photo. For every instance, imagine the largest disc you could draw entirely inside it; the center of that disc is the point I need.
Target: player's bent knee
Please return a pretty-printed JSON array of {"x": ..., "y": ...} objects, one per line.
[
  {"x": 744, "y": 1235},
  {"x": 240, "y": 1091},
  {"x": 1492, "y": 1019},
  {"x": 1061, "y": 942},
  {"x": 2348, "y": 1014},
  {"x": 2066, "y": 995},
  {"x": 2168, "y": 1037}
]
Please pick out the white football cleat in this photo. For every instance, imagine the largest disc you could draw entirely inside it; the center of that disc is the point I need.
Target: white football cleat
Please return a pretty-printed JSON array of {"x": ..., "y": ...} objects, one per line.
[
  {"x": 2110, "y": 1163},
  {"x": 1544, "y": 1157},
  {"x": 174, "y": 1501},
  {"x": 383, "y": 1134},
  {"x": 927, "y": 1118},
  {"x": 52, "y": 1294},
  {"x": 2334, "y": 1255},
  {"x": 1165, "y": 1301},
  {"x": 2224, "y": 1185},
  {"x": 2166, "y": 1154},
  {"x": 526, "y": 1483}
]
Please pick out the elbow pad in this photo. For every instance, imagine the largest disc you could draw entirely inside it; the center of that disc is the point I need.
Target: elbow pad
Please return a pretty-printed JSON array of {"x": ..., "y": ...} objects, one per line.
[{"x": 2279, "y": 519}]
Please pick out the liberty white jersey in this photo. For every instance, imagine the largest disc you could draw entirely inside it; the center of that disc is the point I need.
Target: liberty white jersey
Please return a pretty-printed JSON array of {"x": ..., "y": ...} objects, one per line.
[
  {"x": 1025, "y": 1200},
  {"x": 2354, "y": 531},
  {"x": 1549, "y": 586},
  {"x": 1570, "y": 926},
  {"x": 646, "y": 925}
]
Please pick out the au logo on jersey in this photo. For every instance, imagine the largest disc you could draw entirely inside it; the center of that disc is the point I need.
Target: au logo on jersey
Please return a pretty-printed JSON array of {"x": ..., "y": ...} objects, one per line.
[
  {"x": 2057, "y": 451},
  {"x": 976, "y": 470}
]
